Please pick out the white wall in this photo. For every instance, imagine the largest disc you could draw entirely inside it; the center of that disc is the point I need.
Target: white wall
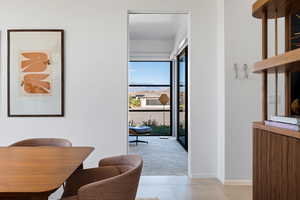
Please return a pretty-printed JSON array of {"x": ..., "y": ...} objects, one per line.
[
  {"x": 243, "y": 96},
  {"x": 221, "y": 93},
  {"x": 150, "y": 49},
  {"x": 96, "y": 74},
  {"x": 181, "y": 34}
]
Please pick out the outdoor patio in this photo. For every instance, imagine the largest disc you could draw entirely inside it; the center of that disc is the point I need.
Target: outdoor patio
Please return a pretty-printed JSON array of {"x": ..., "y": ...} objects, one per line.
[{"x": 162, "y": 157}]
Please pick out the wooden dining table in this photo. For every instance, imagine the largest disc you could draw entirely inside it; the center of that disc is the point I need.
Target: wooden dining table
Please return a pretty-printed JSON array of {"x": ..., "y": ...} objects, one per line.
[{"x": 33, "y": 173}]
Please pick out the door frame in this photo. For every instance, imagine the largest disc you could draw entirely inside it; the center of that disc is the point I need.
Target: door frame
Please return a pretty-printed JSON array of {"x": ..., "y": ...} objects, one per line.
[{"x": 189, "y": 38}]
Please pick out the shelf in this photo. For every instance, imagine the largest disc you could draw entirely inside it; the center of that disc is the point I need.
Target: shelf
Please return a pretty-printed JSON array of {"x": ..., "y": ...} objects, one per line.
[
  {"x": 283, "y": 7},
  {"x": 275, "y": 130},
  {"x": 289, "y": 61}
]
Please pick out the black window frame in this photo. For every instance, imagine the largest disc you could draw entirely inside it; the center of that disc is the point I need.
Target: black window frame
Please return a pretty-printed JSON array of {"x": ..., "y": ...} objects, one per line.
[
  {"x": 183, "y": 52},
  {"x": 158, "y": 85}
]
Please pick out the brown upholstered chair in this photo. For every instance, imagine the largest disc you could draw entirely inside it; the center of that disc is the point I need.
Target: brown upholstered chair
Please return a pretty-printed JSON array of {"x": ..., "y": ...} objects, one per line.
[
  {"x": 34, "y": 142},
  {"x": 116, "y": 178}
]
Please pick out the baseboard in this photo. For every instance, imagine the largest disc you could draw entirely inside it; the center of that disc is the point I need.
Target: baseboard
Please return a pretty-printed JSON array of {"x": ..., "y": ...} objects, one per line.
[
  {"x": 238, "y": 182},
  {"x": 202, "y": 176},
  {"x": 226, "y": 182}
]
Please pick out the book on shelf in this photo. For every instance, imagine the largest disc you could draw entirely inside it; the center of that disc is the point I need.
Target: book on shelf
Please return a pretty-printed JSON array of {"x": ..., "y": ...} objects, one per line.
[
  {"x": 293, "y": 127},
  {"x": 287, "y": 120}
]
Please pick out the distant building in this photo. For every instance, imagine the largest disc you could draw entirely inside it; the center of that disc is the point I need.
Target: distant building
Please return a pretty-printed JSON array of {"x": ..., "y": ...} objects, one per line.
[{"x": 150, "y": 100}]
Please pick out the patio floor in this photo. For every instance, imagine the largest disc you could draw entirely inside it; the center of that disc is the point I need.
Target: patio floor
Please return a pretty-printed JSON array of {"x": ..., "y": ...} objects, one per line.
[{"x": 162, "y": 157}]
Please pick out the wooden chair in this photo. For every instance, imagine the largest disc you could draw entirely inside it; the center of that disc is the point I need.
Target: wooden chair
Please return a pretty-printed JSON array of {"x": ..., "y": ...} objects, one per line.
[
  {"x": 36, "y": 142},
  {"x": 116, "y": 178},
  {"x": 57, "y": 142}
]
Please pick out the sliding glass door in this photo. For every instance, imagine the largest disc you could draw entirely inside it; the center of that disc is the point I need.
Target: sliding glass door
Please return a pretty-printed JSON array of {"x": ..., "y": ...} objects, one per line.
[
  {"x": 182, "y": 101},
  {"x": 150, "y": 96}
]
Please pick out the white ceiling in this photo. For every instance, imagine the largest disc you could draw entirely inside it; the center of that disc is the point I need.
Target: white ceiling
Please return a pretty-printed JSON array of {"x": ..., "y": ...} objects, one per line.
[{"x": 155, "y": 26}]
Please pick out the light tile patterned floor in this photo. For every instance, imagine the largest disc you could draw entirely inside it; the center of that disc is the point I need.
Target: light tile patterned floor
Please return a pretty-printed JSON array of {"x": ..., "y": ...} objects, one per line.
[{"x": 162, "y": 157}]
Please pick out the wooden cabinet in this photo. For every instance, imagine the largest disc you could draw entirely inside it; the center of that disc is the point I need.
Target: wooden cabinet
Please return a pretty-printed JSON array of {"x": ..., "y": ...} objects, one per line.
[{"x": 276, "y": 165}]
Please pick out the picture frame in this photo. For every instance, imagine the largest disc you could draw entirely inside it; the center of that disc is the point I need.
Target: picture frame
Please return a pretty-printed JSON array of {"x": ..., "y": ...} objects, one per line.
[{"x": 35, "y": 73}]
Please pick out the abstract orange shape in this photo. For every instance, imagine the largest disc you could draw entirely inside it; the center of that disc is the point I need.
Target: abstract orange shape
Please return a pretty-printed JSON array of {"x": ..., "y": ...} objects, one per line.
[
  {"x": 34, "y": 62},
  {"x": 36, "y": 84}
]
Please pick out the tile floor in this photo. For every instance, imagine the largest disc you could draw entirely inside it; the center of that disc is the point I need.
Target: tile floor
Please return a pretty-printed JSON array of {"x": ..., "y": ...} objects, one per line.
[{"x": 162, "y": 157}]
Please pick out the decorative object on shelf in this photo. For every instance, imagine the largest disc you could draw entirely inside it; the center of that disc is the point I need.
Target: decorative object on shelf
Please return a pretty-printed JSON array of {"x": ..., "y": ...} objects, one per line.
[
  {"x": 35, "y": 73},
  {"x": 295, "y": 107},
  {"x": 291, "y": 123},
  {"x": 287, "y": 120},
  {"x": 292, "y": 127}
]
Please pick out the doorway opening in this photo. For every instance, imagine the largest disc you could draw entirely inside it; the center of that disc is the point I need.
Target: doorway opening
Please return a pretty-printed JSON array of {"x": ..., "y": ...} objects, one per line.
[{"x": 157, "y": 92}]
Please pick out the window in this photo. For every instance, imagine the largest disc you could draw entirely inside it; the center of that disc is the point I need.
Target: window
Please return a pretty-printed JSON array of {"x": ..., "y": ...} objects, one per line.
[
  {"x": 150, "y": 95},
  {"x": 182, "y": 95}
]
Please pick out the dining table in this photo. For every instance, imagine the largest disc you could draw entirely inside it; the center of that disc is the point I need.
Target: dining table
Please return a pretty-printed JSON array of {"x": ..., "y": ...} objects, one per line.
[{"x": 34, "y": 173}]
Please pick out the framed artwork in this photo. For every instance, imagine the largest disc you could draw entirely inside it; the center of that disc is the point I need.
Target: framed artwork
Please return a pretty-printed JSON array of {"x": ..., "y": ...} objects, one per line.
[{"x": 35, "y": 73}]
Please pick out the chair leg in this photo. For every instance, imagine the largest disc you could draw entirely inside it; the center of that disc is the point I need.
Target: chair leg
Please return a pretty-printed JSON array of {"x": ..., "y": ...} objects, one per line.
[{"x": 136, "y": 141}]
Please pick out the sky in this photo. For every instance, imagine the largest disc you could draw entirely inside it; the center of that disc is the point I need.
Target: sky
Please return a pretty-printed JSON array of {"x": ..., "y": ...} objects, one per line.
[{"x": 149, "y": 73}]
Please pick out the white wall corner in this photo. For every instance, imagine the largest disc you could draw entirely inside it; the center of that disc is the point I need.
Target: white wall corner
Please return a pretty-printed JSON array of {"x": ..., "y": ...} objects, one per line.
[
  {"x": 221, "y": 93},
  {"x": 221, "y": 179},
  {"x": 181, "y": 35}
]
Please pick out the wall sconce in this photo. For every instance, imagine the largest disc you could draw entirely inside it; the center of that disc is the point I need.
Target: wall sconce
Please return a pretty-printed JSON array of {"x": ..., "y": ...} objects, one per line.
[
  {"x": 244, "y": 69},
  {"x": 246, "y": 74},
  {"x": 236, "y": 70}
]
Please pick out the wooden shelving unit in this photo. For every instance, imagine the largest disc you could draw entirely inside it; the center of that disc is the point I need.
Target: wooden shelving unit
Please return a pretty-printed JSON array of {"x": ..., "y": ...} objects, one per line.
[
  {"x": 275, "y": 130},
  {"x": 274, "y": 8},
  {"x": 286, "y": 62},
  {"x": 276, "y": 151}
]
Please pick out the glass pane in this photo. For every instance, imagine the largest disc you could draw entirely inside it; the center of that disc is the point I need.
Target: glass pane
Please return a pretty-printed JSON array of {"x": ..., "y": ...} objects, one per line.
[
  {"x": 149, "y": 73},
  {"x": 149, "y": 98},
  {"x": 295, "y": 30},
  {"x": 182, "y": 71},
  {"x": 158, "y": 121},
  {"x": 295, "y": 76},
  {"x": 182, "y": 97},
  {"x": 182, "y": 116},
  {"x": 182, "y": 129}
]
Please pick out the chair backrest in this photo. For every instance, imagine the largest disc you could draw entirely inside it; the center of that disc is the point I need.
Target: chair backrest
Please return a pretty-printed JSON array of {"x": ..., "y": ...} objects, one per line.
[
  {"x": 34, "y": 142},
  {"x": 121, "y": 187}
]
